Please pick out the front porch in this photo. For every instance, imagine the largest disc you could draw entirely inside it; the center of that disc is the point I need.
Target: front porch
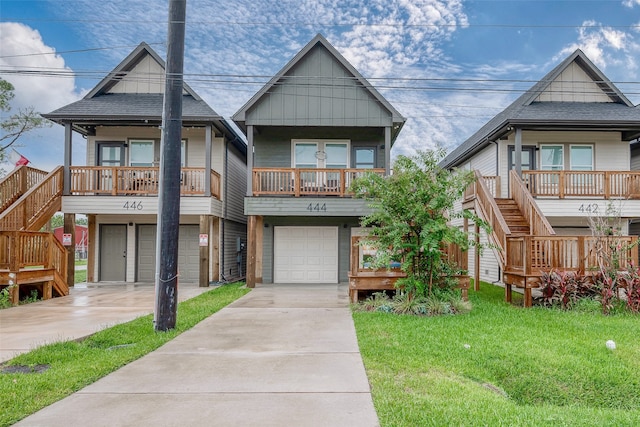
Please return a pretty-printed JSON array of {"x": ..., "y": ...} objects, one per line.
[{"x": 306, "y": 181}]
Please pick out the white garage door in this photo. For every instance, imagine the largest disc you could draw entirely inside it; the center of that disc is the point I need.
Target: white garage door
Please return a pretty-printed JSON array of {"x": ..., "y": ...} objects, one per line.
[
  {"x": 305, "y": 255},
  {"x": 188, "y": 253}
]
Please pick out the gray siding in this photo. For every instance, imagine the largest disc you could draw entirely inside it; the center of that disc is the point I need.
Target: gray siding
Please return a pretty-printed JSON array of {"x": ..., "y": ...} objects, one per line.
[
  {"x": 318, "y": 91},
  {"x": 635, "y": 159},
  {"x": 272, "y": 146},
  {"x": 235, "y": 186},
  {"x": 230, "y": 267},
  {"x": 344, "y": 241}
]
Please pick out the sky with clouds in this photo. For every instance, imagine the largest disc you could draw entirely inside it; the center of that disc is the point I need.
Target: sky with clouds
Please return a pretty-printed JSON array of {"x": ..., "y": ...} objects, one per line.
[{"x": 447, "y": 65}]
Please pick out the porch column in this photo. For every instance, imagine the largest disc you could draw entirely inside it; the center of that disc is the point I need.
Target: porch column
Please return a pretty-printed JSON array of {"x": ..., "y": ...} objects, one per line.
[
  {"x": 259, "y": 241},
  {"x": 70, "y": 228},
  {"x": 91, "y": 249},
  {"x": 66, "y": 185},
  {"x": 251, "y": 251},
  {"x": 387, "y": 150},
  {"x": 203, "y": 276},
  {"x": 518, "y": 152},
  {"x": 249, "y": 160},
  {"x": 476, "y": 265},
  {"x": 214, "y": 246},
  {"x": 207, "y": 161}
]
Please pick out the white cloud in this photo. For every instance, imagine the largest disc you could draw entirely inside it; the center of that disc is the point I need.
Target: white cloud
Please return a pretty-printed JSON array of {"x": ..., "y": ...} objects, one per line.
[
  {"x": 36, "y": 79},
  {"x": 33, "y": 68},
  {"x": 631, "y": 3},
  {"x": 607, "y": 47}
]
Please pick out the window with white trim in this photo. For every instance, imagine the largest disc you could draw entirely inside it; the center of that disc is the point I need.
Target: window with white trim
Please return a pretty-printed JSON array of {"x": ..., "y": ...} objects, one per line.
[
  {"x": 581, "y": 157},
  {"x": 551, "y": 157},
  {"x": 329, "y": 154}
]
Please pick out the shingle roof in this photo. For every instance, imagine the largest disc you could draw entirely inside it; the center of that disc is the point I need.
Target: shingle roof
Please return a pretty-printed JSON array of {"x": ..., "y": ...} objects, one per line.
[
  {"x": 619, "y": 113},
  {"x": 125, "y": 106}
]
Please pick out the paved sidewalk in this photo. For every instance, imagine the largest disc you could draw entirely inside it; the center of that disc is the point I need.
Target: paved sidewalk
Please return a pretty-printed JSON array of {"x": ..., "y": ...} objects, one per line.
[
  {"x": 86, "y": 310},
  {"x": 283, "y": 355}
]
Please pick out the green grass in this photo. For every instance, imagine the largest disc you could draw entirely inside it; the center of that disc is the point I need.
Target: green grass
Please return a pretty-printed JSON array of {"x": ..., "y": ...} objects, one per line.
[
  {"x": 522, "y": 367},
  {"x": 74, "y": 365},
  {"x": 81, "y": 262},
  {"x": 80, "y": 276}
]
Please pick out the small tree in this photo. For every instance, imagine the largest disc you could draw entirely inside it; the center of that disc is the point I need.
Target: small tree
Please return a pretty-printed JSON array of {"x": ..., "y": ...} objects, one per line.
[
  {"x": 17, "y": 124},
  {"x": 410, "y": 222}
]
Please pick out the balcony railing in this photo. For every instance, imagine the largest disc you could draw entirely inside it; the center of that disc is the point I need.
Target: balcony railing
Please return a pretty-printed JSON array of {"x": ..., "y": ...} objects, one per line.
[
  {"x": 599, "y": 184},
  {"x": 125, "y": 180},
  {"x": 305, "y": 182}
]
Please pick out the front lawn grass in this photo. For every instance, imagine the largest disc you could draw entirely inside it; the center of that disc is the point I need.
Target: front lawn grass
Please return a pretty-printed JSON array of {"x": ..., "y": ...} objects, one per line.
[
  {"x": 76, "y": 364},
  {"x": 502, "y": 365}
]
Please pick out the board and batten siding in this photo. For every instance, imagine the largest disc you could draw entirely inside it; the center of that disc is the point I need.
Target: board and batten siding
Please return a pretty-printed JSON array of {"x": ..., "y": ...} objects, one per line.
[
  {"x": 235, "y": 182},
  {"x": 230, "y": 269},
  {"x": 146, "y": 77},
  {"x": 344, "y": 241},
  {"x": 318, "y": 91},
  {"x": 635, "y": 159},
  {"x": 573, "y": 85}
]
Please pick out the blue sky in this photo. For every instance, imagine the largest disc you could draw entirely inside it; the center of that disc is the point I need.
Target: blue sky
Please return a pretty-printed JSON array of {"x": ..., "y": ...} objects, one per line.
[{"x": 446, "y": 65}]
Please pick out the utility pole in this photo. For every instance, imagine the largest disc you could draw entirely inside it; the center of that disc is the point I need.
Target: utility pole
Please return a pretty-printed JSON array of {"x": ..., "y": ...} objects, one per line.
[{"x": 169, "y": 192}]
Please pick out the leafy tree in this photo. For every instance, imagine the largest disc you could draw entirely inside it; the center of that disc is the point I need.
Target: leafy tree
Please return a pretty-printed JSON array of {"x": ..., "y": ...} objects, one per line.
[
  {"x": 411, "y": 218},
  {"x": 17, "y": 124}
]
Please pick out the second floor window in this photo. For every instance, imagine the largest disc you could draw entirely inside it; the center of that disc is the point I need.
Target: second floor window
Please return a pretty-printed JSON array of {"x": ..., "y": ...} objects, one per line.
[
  {"x": 581, "y": 157},
  {"x": 321, "y": 154},
  {"x": 551, "y": 157},
  {"x": 146, "y": 153}
]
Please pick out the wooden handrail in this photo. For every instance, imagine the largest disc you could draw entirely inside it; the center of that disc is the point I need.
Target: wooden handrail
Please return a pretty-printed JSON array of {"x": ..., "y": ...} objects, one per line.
[
  {"x": 600, "y": 184},
  {"x": 533, "y": 255},
  {"x": 306, "y": 181},
  {"x": 490, "y": 212},
  {"x": 34, "y": 208},
  {"x": 133, "y": 180},
  {"x": 538, "y": 223},
  {"x": 18, "y": 182}
]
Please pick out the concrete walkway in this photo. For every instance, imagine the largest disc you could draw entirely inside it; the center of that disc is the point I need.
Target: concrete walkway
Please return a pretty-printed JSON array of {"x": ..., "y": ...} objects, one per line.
[
  {"x": 283, "y": 355},
  {"x": 86, "y": 310}
]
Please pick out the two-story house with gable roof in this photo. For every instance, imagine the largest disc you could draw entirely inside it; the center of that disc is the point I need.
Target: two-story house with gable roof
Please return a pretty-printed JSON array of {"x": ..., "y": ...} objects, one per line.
[
  {"x": 118, "y": 183},
  {"x": 555, "y": 158},
  {"x": 314, "y": 127}
]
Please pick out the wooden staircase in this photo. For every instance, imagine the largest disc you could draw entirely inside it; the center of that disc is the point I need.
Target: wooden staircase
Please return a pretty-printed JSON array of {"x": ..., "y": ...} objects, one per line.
[
  {"x": 517, "y": 223},
  {"x": 29, "y": 258},
  {"x": 527, "y": 246}
]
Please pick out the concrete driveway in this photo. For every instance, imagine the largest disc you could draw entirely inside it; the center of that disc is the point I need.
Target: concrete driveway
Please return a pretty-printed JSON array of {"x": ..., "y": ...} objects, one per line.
[{"x": 283, "y": 355}]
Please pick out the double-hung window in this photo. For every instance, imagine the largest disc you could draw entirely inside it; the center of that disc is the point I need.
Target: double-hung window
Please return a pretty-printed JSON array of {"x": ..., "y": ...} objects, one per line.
[{"x": 320, "y": 154}]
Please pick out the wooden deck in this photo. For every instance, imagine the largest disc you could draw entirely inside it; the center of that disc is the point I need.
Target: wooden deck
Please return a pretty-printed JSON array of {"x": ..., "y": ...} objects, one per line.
[
  {"x": 523, "y": 259},
  {"x": 31, "y": 258},
  {"x": 305, "y": 182},
  {"x": 363, "y": 278},
  {"x": 144, "y": 181}
]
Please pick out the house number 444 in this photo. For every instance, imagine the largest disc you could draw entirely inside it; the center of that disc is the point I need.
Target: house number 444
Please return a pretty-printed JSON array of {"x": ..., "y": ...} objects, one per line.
[{"x": 317, "y": 207}]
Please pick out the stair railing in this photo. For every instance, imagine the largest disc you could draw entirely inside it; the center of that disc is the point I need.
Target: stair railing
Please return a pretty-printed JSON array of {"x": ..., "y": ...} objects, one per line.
[
  {"x": 538, "y": 224},
  {"x": 33, "y": 209},
  {"x": 18, "y": 182},
  {"x": 489, "y": 211}
]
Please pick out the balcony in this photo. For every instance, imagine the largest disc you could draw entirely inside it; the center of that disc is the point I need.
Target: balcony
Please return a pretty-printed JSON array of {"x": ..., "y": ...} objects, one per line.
[
  {"x": 306, "y": 182},
  {"x": 141, "y": 181},
  {"x": 583, "y": 184}
]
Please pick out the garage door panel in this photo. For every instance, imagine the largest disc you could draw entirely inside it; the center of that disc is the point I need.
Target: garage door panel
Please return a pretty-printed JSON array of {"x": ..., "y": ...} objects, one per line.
[
  {"x": 188, "y": 253},
  {"x": 306, "y": 254}
]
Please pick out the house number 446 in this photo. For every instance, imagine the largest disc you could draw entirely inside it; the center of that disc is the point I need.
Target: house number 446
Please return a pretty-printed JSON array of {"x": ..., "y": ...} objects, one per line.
[{"x": 132, "y": 206}]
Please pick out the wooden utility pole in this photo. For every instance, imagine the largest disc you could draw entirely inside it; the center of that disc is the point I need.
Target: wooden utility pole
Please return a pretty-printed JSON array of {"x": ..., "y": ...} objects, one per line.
[{"x": 169, "y": 195}]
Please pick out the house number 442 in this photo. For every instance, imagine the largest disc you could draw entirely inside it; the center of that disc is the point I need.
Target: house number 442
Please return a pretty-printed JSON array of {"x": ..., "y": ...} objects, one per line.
[{"x": 589, "y": 208}]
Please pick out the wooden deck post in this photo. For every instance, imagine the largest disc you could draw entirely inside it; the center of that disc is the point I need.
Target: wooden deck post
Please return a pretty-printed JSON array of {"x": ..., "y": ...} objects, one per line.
[
  {"x": 251, "y": 249},
  {"x": 70, "y": 228},
  {"x": 476, "y": 272},
  {"x": 203, "y": 276},
  {"x": 507, "y": 292},
  {"x": 259, "y": 244},
  {"x": 91, "y": 249},
  {"x": 214, "y": 244}
]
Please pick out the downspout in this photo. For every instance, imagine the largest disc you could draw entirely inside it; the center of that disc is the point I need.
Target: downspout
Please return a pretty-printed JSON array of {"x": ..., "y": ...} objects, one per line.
[{"x": 224, "y": 211}]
